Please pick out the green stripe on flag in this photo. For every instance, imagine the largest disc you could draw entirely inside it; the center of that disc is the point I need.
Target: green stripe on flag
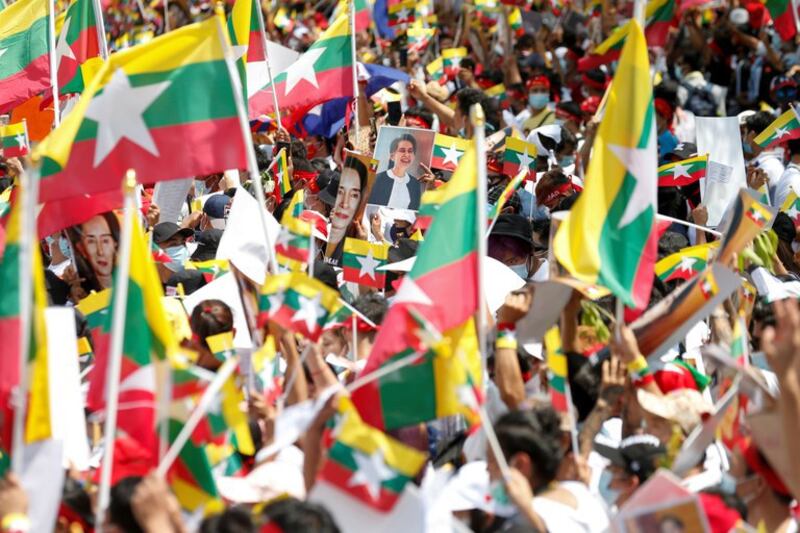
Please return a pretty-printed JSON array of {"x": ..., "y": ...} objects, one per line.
[
  {"x": 9, "y": 281},
  {"x": 23, "y": 47},
  {"x": 343, "y": 454},
  {"x": 452, "y": 245},
  {"x": 394, "y": 392}
]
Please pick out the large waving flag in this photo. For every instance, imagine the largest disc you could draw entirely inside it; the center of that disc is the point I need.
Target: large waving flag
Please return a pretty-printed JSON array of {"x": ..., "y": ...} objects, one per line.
[
  {"x": 78, "y": 48},
  {"x": 25, "y": 61},
  {"x": 148, "y": 343},
  {"x": 443, "y": 382},
  {"x": 244, "y": 30},
  {"x": 784, "y": 128},
  {"x": 660, "y": 17},
  {"x": 37, "y": 426},
  {"x": 607, "y": 51},
  {"x": 782, "y": 17},
  {"x": 322, "y": 73},
  {"x": 608, "y": 237},
  {"x": 179, "y": 118}
]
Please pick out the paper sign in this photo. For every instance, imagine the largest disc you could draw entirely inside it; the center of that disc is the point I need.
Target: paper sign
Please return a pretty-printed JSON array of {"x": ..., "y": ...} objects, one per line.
[
  {"x": 170, "y": 197},
  {"x": 718, "y": 172},
  {"x": 722, "y": 140},
  {"x": 43, "y": 480},
  {"x": 67, "y": 417}
]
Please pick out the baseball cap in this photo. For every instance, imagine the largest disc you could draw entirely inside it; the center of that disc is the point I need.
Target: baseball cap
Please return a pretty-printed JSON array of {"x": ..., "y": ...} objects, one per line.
[
  {"x": 637, "y": 454},
  {"x": 216, "y": 206},
  {"x": 207, "y": 244},
  {"x": 164, "y": 231},
  {"x": 517, "y": 226},
  {"x": 402, "y": 256},
  {"x": 684, "y": 150}
]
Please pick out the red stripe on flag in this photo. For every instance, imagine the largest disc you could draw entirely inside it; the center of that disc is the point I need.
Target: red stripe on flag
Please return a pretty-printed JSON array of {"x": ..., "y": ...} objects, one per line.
[
  {"x": 20, "y": 86},
  {"x": 61, "y": 214},
  {"x": 340, "y": 476}
]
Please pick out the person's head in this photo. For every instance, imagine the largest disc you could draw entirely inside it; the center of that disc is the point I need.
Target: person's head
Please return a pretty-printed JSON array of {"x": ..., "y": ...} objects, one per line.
[
  {"x": 465, "y": 99},
  {"x": 418, "y": 117},
  {"x": 119, "y": 518},
  {"x": 753, "y": 125},
  {"x": 209, "y": 317},
  {"x": 513, "y": 205},
  {"x": 334, "y": 341},
  {"x": 351, "y": 189},
  {"x": 291, "y": 514},
  {"x": 99, "y": 238},
  {"x": 373, "y": 306},
  {"x": 553, "y": 186},
  {"x": 402, "y": 152},
  {"x": 317, "y": 146},
  {"x": 676, "y": 412},
  {"x": 216, "y": 211},
  {"x": 511, "y": 243},
  {"x": 531, "y": 442},
  {"x": 538, "y": 93},
  {"x": 75, "y": 512},
  {"x": 793, "y": 149},
  {"x": 631, "y": 463},
  {"x": 758, "y": 485},
  {"x": 231, "y": 520},
  {"x": 570, "y": 116}
]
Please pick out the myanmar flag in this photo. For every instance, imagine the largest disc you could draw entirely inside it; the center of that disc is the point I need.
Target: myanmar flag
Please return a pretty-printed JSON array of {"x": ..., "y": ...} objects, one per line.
[
  {"x": 681, "y": 173},
  {"x": 685, "y": 263},
  {"x": 363, "y": 13},
  {"x": 37, "y": 426},
  {"x": 451, "y": 60},
  {"x": 78, "y": 48},
  {"x": 447, "y": 151},
  {"x": 419, "y": 38},
  {"x": 607, "y": 51},
  {"x": 148, "y": 342},
  {"x": 360, "y": 260},
  {"x": 279, "y": 170},
  {"x": 401, "y": 13},
  {"x": 784, "y": 128},
  {"x": 608, "y": 238},
  {"x": 297, "y": 302},
  {"x": 498, "y": 91},
  {"x": 435, "y": 70},
  {"x": 14, "y": 140},
  {"x": 244, "y": 29},
  {"x": 556, "y": 370},
  {"x": 211, "y": 269},
  {"x": 510, "y": 189},
  {"x": 293, "y": 247},
  {"x": 791, "y": 206},
  {"x": 447, "y": 264},
  {"x": 179, "y": 118},
  {"x": 25, "y": 63},
  {"x": 782, "y": 17},
  {"x": 660, "y": 17},
  {"x": 95, "y": 309},
  {"x": 364, "y": 466},
  {"x": 746, "y": 219},
  {"x": 322, "y": 73},
  {"x": 519, "y": 155}
]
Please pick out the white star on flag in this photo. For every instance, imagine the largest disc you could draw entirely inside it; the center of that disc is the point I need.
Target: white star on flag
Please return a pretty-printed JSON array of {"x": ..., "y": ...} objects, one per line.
[
  {"x": 368, "y": 265},
  {"x": 116, "y": 121},
  {"x": 310, "y": 310},
  {"x": 303, "y": 69},
  {"x": 642, "y": 164},
  {"x": 3, "y": 51},
  {"x": 403, "y": 14},
  {"x": 275, "y": 302},
  {"x": 525, "y": 160},
  {"x": 781, "y": 132},
  {"x": 687, "y": 264},
  {"x": 411, "y": 293},
  {"x": 284, "y": 238},
  {"x": 372, "y": 471},
  {"x": 238, "y": 51},
  {"x": 451, "y": 154},
  {"x": 793, "y": 212},
  {"x": 62, "y": 46},
  {"x": 679, "y": 171},
  {"x": 466, "y": 395},
  {"x": 20, "y": 138}
]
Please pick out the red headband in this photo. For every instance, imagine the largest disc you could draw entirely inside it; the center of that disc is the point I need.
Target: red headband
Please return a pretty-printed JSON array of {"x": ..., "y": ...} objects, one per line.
[
  {"x": 552, "y": 195},
  {"x": 307, "y": 175},
  {"x": 542, "y": 81},
  {"x": 598, "y": 85}
]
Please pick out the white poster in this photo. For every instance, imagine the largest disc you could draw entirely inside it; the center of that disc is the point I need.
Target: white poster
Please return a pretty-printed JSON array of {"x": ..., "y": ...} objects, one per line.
[{"x": 722, "y": 140}]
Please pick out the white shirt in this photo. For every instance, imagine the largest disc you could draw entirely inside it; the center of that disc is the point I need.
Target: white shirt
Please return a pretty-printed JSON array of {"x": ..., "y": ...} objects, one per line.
[
  {"x": 588, "y": 517},
  {"x": 790, "y": 181},
  {"x": 771, "y": 162},
  {"x": 399, "y": 197}
]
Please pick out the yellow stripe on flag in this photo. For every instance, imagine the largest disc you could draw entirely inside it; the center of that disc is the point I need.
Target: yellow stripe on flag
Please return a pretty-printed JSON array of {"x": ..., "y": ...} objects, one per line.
[
  {"x": 20, "y": 16},
  {"x": 362, "y": 248},
  {"x": 464, "y": 178},
  {"x": 457, "y": 371},
  {"x": 12, "y": 130}
]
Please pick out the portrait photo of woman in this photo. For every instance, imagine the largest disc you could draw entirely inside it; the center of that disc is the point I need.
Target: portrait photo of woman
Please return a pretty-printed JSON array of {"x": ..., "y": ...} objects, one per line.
[
  {"x": 355, "y": 183},
  {"x": 404, "y": 155},
  {"x": 95, "y": 243}
]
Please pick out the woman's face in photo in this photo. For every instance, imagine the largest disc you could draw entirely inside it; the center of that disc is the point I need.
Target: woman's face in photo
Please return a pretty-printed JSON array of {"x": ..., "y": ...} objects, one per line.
[
  {"x": 347, "y": 201},
  {"x": 403, "y": 157}
]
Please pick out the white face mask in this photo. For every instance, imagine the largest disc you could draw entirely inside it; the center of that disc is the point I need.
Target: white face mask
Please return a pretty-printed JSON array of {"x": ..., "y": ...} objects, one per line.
[
  {"x": 520, "y": 270},
  {"x": 217, "y": 223}
]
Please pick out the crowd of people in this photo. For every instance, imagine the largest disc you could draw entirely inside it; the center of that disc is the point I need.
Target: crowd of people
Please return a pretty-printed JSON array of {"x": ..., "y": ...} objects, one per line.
[{"x": 679, "y": 440}]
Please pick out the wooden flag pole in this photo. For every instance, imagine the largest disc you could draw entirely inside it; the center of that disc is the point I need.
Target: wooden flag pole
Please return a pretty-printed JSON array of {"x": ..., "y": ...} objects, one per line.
[{"x": 120, "y": 300}]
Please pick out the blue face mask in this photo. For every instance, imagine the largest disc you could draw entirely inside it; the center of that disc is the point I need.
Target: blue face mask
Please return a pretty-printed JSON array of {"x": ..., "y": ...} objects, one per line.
[
  {"x": 538, "y": 100},
  {"x": 567, "y": 161},
  {"x": 178, "y": 254},
  {"x": 520, "y": 270},
  {"x": 746, "y": 148}
]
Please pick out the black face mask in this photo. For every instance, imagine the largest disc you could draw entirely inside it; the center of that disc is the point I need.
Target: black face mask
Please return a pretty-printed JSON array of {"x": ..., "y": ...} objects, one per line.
[{"x": 398, "y": 233}]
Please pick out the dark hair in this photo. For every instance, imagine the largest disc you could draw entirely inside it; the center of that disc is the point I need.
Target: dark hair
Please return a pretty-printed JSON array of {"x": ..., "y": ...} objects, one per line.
[
  {"x": 693, "y": 60},
  {"x": 759, "y": 121},
  {"x": 297, "y": 149},
  {"x": 291, "y": 514},
  {"x": 468, "y": 96},
  {"x": 793, "y": 146},
  {"x": 358, "y": 165},
  {"x": 232, "y": 520},
  {"x": 82, "y": 264},
  {"x": 119, "y": 509},
  {"x": 262, "y": 159},
  {"x": 419, "y": 112},
  {"x": 372, "y": 305},
  {"x": 404, "y": 137},
  {"x": 535, "y": 433},
  {"x": 75, "y": 497},
  {"x": 301, "y": 163},
  {"x": 211, "y": 317}
]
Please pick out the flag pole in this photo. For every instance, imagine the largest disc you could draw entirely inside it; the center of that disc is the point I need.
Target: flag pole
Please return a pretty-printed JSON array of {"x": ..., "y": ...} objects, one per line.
[
  {"x": 199, "y": 412},
  {"x": 120, "y": 296},
  {"x": 264, "y": 44},
  {"x": 166, "y": 16},
  {"x": 53, "y": 63},
  {"x": 27, "y": 241},
  {"x": 241, "y": 111},
  {"x": 354, "y": 58},
  {"x": 478, "y": 124},
  {"x": 101, "y": 29},
  {"x": 354, "y": 320}
]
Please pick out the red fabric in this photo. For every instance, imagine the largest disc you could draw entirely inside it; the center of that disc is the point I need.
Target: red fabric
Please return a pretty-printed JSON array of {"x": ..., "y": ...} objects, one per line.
[
  {"x": 721, "y": 518},
  {"x": 130, "y": 459},
  {"x": 762, "y": 468},
  {"x": 664, "y": 109},
  {"x": 675, "y": 379},
  {"x": 539, "y": 81}
]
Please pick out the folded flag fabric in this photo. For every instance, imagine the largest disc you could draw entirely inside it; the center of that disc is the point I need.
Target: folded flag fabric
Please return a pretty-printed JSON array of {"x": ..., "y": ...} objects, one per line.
[
  {"x": 791, "y": 206},
  {"x": 519, "y": 155},
  {"x": 435, "y": 70},
  {"x": 556, "y": 370},
  {"x": 367, "y": 465},
  {"x": 782, "y": 17},
  {"x": 447, "y": 151},
  {"x": 14, "y": 140},
  {"x": 244, "y": 30},
  {"x": 25, "y": 67},
  {"x": 610, "y": 237},
  {"x": 607, "y": 51},
  {"x": 784, "y": 128},
  {"x": 360, "y": 260},
  {"x": 293, "y": 247},
  {"x": 683, "y": 172},
  {"x": 419, "y": 38},
  {"x": 747, "y": 219},
  {"x": 685, "y": 263},
  {"x": 211, "y": 269},
  {"x": 297, "y": 302},
  {"x": 498, "y": 91},
  {"x": 221, "y": 345},
  {"x": 77, "y": 48},
  {"x": 279, "y": 171},
  {"x": 660, "y": 16},
  {"x": 100, "y": 140},
  {"x": 510, "y": 189}
]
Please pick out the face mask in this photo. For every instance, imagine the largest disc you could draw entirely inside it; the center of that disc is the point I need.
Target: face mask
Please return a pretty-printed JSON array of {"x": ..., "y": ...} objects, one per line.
[
  {"x": 520, "y": 270},
  {"x": 567, "y": 161},
  {"x": 727, "y": 484},
  {"x": 217, "y": 223},
  {"x": 746, "y": 148},
  {"x": 609, "y": 495},
  {"x": 501, "y": 503},
  {"x": 178, "y": 254},
  {"x": 678, "y": 73},
  {"x": 397, "y": 233},
  {"x": 538, "y": 100},
  {"x": 462, "y": 133}
]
